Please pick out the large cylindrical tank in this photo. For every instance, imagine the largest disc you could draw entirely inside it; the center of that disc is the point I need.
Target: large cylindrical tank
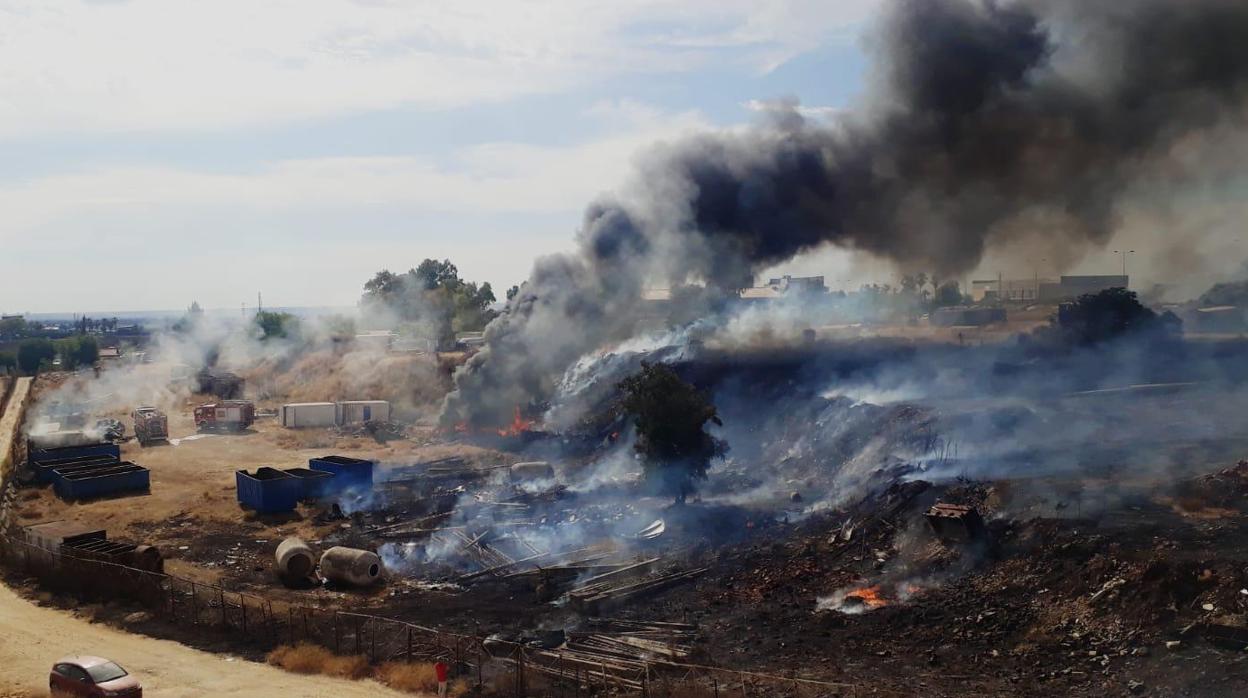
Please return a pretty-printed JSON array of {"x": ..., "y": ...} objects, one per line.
[
  {"x": 294, "y": 560},
  {"x": 350, "y": 566}
]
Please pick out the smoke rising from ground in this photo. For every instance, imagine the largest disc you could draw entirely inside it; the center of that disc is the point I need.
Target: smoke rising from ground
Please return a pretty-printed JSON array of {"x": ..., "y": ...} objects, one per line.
[{"x": 989, "y": 124}]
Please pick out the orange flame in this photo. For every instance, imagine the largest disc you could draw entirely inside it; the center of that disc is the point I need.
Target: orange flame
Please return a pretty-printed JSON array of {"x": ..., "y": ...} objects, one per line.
[
  {"x": 518, "y": 425},
  {"x": 870, "y": 596}
]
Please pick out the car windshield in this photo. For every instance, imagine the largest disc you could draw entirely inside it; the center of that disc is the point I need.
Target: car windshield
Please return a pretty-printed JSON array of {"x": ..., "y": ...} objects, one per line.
[{"x": 107, "y": 671}]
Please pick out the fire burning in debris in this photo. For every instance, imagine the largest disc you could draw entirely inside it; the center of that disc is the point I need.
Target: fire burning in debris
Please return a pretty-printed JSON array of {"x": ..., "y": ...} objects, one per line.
[
  {"x": 518, "y": 425},
  {"x": 860, "y": 599},
  {"x": 869, "y": 597}
]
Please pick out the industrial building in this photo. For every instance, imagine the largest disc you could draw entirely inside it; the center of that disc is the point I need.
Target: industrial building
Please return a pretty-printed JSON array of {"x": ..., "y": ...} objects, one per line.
[{"x": 1042, "y": 290}]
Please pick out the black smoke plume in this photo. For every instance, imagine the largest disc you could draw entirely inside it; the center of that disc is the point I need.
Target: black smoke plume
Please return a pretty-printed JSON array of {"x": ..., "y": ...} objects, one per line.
[{"x": 984, "y": 119}]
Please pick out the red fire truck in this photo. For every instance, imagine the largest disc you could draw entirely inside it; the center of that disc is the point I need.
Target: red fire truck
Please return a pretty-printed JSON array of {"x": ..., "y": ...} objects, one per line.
[
  {"x": 150, "y": 425},
  {"x": 227, "y": 415}
]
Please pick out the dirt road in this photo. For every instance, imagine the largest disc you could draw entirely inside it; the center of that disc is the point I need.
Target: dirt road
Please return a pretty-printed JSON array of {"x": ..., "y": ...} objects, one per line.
[{"x": 33, "y": 637}]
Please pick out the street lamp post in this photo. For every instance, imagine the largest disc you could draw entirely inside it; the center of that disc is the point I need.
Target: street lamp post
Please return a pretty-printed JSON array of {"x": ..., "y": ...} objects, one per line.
[
  {"x": 1124, "y": 254},
  {"x": 1035, "y": 272}
]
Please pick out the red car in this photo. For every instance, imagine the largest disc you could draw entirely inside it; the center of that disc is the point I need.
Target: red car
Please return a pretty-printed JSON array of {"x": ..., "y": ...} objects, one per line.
[{"x": 92, "y": 676}]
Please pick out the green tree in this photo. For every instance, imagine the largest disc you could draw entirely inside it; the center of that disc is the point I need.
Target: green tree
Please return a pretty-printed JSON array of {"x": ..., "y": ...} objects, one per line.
[
  {"x": 1114, "y": 312},
  {"x": 432, "y": 295},
  {"x": 513, "y": 292},
  {"x": 948, "y": 293},
  {"x": 188, "y": 322},
  {"x": 33, "y": 353},
  {"x": 13, "y": 328},
  {"x": 77, "y": 351},
  {"x": 8, "y": 362},
  {"x": 671, "y": 417},
  {"x": 276, "y": 325}
]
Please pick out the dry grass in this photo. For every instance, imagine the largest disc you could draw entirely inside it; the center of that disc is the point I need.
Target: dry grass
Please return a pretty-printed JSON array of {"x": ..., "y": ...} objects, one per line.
[
  {"x": 306, "y": 658},
  {"x": 407, "y": 381},
  {"x": 304, "y": 438},
  {"x": 413, "y": 678}
]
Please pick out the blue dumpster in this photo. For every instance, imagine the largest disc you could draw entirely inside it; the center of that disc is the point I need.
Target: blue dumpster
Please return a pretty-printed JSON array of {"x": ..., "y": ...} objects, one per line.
[
  {"x": 316, "y": 483},
  {"x": 348, "y": 472},
  {"x": 87, "y": 482},
  {"x": 100, "y": 449},
  {"x": 268, "y": 491},
  {"x": 43, "y": 469}
]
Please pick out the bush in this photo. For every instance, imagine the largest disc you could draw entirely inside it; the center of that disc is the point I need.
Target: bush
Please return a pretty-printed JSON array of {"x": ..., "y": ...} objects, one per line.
[
  {"x": 306, "y": 658},
  {"x": 410, "y": 677}
]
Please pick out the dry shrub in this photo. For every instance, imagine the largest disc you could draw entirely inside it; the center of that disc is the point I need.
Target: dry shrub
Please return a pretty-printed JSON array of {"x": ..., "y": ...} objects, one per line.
[
  {"x": 410, "y": 677},
  {"x": 305, "y": 658},
  {"x": 295, "y": 439}
]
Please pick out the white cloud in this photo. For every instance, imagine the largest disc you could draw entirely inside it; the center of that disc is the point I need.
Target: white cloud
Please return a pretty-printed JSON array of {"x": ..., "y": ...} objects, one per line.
[
  {"x": 308, "y": 227},
  {"x": 491, "y": 177},
  {"x": 784, "y": 105},
  {"x": 184, "y": 64}
]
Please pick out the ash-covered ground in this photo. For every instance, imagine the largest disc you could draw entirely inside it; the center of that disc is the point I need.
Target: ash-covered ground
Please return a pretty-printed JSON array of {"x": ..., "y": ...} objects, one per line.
[{"x": 1109, "y": 558}]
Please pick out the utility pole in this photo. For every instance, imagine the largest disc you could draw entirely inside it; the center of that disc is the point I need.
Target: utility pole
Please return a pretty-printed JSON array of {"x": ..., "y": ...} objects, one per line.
[{"x": 259, "y": 303}]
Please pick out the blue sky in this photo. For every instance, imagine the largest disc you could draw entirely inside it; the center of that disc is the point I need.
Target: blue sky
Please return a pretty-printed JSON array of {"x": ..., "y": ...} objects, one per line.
[{"x": 163, "y": 151}]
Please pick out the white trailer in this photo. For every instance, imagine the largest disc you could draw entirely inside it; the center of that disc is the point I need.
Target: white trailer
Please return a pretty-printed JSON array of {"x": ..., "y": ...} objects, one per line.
[
  {"x": 357, "y": 411},
  {"x": 300, "y": 415}
]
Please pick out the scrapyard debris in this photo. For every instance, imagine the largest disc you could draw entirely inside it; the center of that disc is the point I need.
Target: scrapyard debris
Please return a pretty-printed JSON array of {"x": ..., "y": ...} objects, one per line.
[
  {"x": 377, "y": 430},
  {"x": 110, "y": 430},
  {"x": 652, "y": 531},
  {"x": 955, "y": 523},
  {"x": 595, "y": 594},
  {"x": 612, "y": 651}
]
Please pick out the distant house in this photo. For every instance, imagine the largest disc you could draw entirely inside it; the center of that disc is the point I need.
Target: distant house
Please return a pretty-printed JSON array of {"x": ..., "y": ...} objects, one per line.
[
  {"x": 109, "y": 353},
  {"x": 1071, "y": 287}
]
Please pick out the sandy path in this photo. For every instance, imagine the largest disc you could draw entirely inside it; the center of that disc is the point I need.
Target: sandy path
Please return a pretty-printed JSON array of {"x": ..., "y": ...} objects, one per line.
[
  {"x": 8, "y": 417},
  {"x": 32, "y": 637}
]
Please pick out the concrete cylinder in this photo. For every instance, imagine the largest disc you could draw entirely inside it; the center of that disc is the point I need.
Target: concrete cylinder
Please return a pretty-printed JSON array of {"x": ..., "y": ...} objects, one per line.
[
  {"x": 294, "y": 560},
  {"x": 350, "y": 566},
  {"x": 148, "y": 557}
]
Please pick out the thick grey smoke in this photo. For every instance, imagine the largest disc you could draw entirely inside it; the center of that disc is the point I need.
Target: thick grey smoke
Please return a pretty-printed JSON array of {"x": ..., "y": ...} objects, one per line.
[{"x": 984, "y": 118}]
